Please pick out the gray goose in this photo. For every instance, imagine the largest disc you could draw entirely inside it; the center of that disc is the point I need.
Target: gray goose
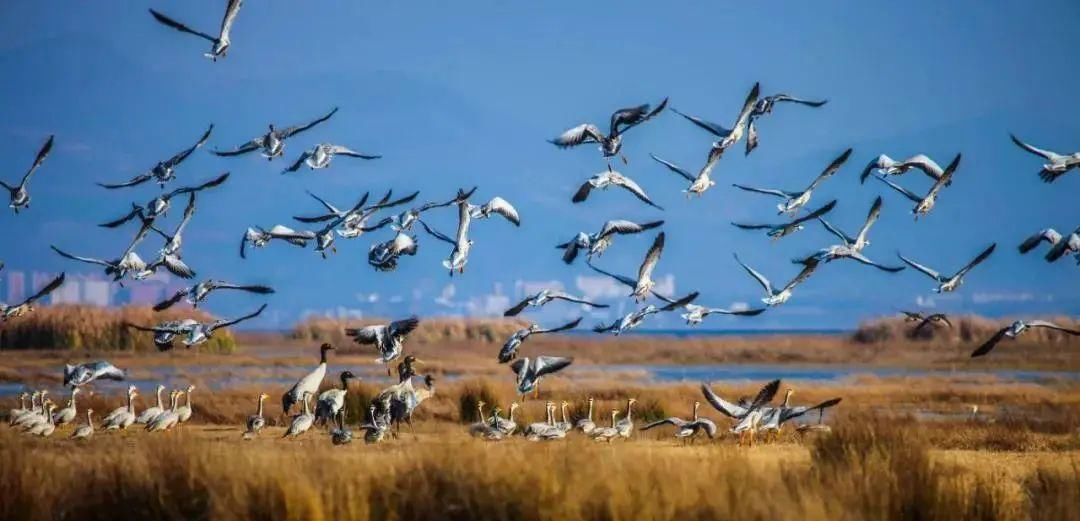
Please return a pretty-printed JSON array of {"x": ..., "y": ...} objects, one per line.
[
  {"x": 597, "y": 243},
  {"x": 851, "y": 247},
  {"x": 20, "y": 196},
  {"x": 319, "y": 157},
  {"x": 795, "y": 201},
  {"x": 610, "y": 178},
  {"x": 622, "y": 120},
  {"x": 1059, "y": 245},
  {"x": 542, "y": 297},
  {"x": 949, "y": 283},
  {"x": 1057, "y": 164},
  {"x": 163, "y": 171},
  {"x": 727, "y": 136},
  {"x": 272, "y": 143},
  {"x": 778, "y": 231},
  {"x": 887, "y": 166},
  {"x": 201, "y": 291},
  {"x": 765, "y": 106},
  {"x": 510, "y": 348},
  {"x": 160, "y": 204},
  {"x": 27, "y": 306},
  {"x": 923, "y": 204},
  {"x": 1016, "y": 329},
  {"x": 220, "y": 43}
]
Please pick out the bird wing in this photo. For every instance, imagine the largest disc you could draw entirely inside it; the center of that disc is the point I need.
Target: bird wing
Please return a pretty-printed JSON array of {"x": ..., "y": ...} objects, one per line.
[
  {"x": 183, "y": 154},
  {"x": 757, "y": 276},
  {"x": 106, "y": 370},
  {"x": 137, "y": 180},
  {"x": 626, "y": 227},
  {"x": 567, "y": 326},
  {"x": 790, "y": 413},
  {"x": 437, "y": 234},
  {"x": 880, "y": 162},
  {"x": 176, "y": 266},
  {"x": 651, "y": 257},
  {"x": 226, "y": 323},
  {"x": 364, "y": 335},
  {"x": 404, "y": 326},
  {"x": 765, "y": 395},
  {"x": 748, "y": 106},
  {"x": 81, "y": 259},
  {"x": 164, "y": 327},
  {"x": 625, "y": 280},
  {"x": 674, "y": 168},
  {"x": 189, "y": 212},
  {"x": 725, "y": 407},
  {"x": 231, "y": 11},
  {"x": 192, "y": 189},
  {"x": 975, "y": 262},
  {"x": 49, "y": 288},
  {"x": 924, "y": 163},
  {"x": 863, "y": 259},
  {"x": 633, "y": 116},
  {"x": 464, "y": 218},
  {"x": 518, "y": 308},
  {"x": 284, "y": 232},
  {"x": 678, "y": 422},
  {"x": 550, "y": 364},
  {"x": 577, "y": 300},
  {"x": 946, "y": 177},
  {"x": 929, "y": 272},
  {"x": 837, "y": 231},
  {"x": 808, "y": 269},
  {"x": 1035, "y": 150},
  {"x": 180, "y": 27},
  {"x": 1049, "y": 235},
  {"x": 136, "y": 210},
  {"x": 673, "y": 303},
  {"x": 582, "y": 193},
  {"x": 816, "y": 213},
  {"x": 831, "y": 169},
  {"x": 298, "y": 163},
  {"x": 584, "y": 133},
  {"x": 1051, "y": 325},
  {"x": 871, "y": 218},
  {"x": 504, "y": 208},
  {"x": 169, "y": 302},
  {"x": 746, "y": 226},
  {"x": 296, "y": 129},
  {"x": 987, "y": 346},
  {"x": 633, "y": 187},
  {"x": 260, "y": 289},
  {"x": 346, "y": 151},
  {"x": 250, "y": 146},
  {"x": 38, "y": 160},
  {"x": 767, "y": 191},
  {"x": 777, "y": 98},
  {"x": 739, "y": 312},
  {"x": 709, "y": 126},
  {"x": 907, "y": 193}
]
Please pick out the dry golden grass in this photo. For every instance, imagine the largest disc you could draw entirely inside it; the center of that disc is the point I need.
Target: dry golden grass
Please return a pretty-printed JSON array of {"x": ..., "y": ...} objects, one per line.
[
  {"x": 87, "y": 328},
  {"x": 430, "y": 330},
  {"x": 864, "y": 471}
]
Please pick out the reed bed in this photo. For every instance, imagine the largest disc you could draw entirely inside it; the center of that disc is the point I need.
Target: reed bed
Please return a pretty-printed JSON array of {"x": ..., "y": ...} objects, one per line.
[
  {"x": 430, "y": 330},
  {"x": 965, "y": 329},
  {"x": 863, "y": 471},
  {"x": 88, "y": 328}
]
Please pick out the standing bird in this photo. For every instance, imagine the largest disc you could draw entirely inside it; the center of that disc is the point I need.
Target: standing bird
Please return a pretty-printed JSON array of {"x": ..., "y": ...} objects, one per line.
[
  {"x": 1057, "y": 164},
  {"x": 530, "y": 371},
  {"x": 301, "y": 422},
  {"x": 727, "y": 136},
  {"x": 795, "y": 201},
  {"x": 609, "y": 178},
  {"x": 163, "y": 171},
  {"x": 169, "y": 418},
  {"x": 85, "y": 430},
  {"x": 778, "y": 231},
  {"x": 20, "y": 197},
  {"x": 622, "y": 120},
  {"x": 923, "y": 204},
  {"x": 125, "y": 417},
  {"x": 47, "y": 427},
  {"x": 887, "y": 166},
  {"x": 1059, "y": 246},
  {"x": 606, "y": 433},
  {"x": 332, "y": 401},
  {"x": 257, "y": 421},
  {"x": 586, "y": 425},
  {"x": 199, "y": 292},
  {"x": 851, "y": 247},
  {"x": 389, "y": 339},
  {"x": 687, "y": 429},
  {"x": 1016, "y": 329},
  {"x": 82, "y": 374},
  {"x": 220, "y": 43},
  {"x": 122, "y": 409},
  {"x": 151, "y": 412},
  {"x": 765, "y": 106},
  {"x": 643, "y": 285},
  {"x": 510, "y": 348},
  {"x": 320, "y": 155},
  {"x": 625, "y": 426},
  {"x": 597, "y": 243},
  {"x": 947, "y": 284},
  {"x": 778, "y": 296},
  {"x": 183, "y": 412},
  {"x": 67, "y": 414},
  {"x": 272, "y": 143},
  {"x": 308, "y": 384},
  {"x": 27, "y": 306},
  {"x": 547, "y": 295}
]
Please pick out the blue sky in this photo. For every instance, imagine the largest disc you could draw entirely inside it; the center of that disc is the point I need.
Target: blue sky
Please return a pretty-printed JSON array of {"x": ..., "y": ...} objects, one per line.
[{"x": 465, "y": 93}]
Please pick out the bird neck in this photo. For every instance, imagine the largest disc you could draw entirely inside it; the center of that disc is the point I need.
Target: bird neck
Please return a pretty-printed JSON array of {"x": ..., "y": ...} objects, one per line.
[
  {"x": 590, "y": 410},
  {"x": 629, "y": 404},
  {"x": 306, "y": 407},
  {"x": 131, "y": 403},
  {"x": 159, "y": 404},
  {"x": 187, "y": 400},
  {"x": 260, "y": 411},
  {"x": 322, "y": 356},
  {"x": 480, "y": 410}
]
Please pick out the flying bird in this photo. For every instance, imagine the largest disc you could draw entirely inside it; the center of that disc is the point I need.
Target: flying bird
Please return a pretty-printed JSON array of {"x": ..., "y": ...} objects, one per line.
[
  {"x": 947, "y": 284},
  {"x": 687, "y": 429},
  {"x": 777, "y": 231},
  {"x": 15, "y": 311},
  {"x": 530, "y": 371},
  {"x": 795, "y": 201},
  {"x": 384, "y": 256},
  {"x": 544, "y": 296},
  {"x": 851, "y": 247},
  {"x": 82, "y": 374},
  {"x": 609, "y": 178},
  {"x": 635, "y": 318},
  {"x": 887, "y": 166},
  {"x": 1057, "y": 164},
  {"x": 644, "y": 283},
  {"x": 170, "y": 256},
  {"x": 272, "y": 143},
  {"x": 510, "y": 348},
  {"x": 778, "y": 296},
  {"x": 163, "y": 171},
  {"x": 389, "y": 339},
  {"x": 727, "y": 136},
  {"x": 1059, "y": 245},
  {"x": 220, "y": 43},
  {"x": 765, "y": 106},
  {"x": 923, "y": 204},
  {"x": 259, "y": 237},
  {"x": 191, "y": 332},
  {"x": 622, "y": 120},
  {"x": 199, "y": 292},
  {"x": 20, "y": 196},
  {"x": 461, "y": 242},
  {"x": 497, "y": 205},
  {"x": 698, "y": 183},
  {"x": 128, "y": 264},
  {"x": 160, "y": 204},
  {"x": 696, "y": 313},
  {"x": 597, "y": 243},
  {"x": 929, "y": 320},
  {"x": 320, "y": 155},
  {"x": 1014, "y": 330}
]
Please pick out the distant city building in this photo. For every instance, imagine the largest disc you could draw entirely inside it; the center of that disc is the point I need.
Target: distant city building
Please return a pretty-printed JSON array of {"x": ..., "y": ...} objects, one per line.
[
  {"x": 68, "y": 293},
  {"x": 16, "y": 286}
]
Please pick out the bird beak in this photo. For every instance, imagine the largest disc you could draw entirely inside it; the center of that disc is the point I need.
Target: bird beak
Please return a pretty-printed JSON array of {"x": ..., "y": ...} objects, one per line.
[{"x": 418, "y": 361}]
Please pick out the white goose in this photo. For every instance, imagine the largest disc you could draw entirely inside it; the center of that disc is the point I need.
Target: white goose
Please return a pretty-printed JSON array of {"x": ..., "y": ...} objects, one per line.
[
  {"x": 947, "y": 284},
  {"x": 151, "y": 412},
  {"x": 27, "y": 306},
  {"x": 67, "y": 414},
  {"x": 167, "y": 419},
  {"x": 257, "y": 421},
  {"x": 86, "y": 430}
]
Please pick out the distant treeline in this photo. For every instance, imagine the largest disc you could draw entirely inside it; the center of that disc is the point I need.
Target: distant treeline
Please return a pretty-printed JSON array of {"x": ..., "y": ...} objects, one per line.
[
  {"x": 87, "y": 328},
  {"x": 965, "y": 329}
]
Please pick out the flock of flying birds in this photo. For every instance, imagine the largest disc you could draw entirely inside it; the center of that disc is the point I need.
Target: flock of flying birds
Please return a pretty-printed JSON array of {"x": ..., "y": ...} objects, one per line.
[{"x": 400, "y": 215}]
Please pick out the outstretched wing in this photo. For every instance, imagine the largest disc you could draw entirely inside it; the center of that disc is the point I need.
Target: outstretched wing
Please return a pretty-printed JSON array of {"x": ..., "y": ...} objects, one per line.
[
  {"x": 437, "y": 234},
  {"x": 582, "y": 193},
  {"x": 231, "y": 11},
  {"x": 38, "y": 160},
  {"x": 988, "y": 346},
  {"x": 708, "y": 126},
  {"x": 748, "y": 106},
  {"x": 633, "y": 116},
  {"x": 1035, "y": 150},
  {"x": 863, "y": 259},
  {"x": 652, "y": 257},
  {"x": 871, "y": 218},
  {"x": 192, "y": 189},
  {"x": 929, "y": 272},
  {"x": 907, "y": 193},
  {"x": 638, "y": 192},
  {"x": 674, "y": 168},
  {"x": 404, "y": 326},
  {"x": 567, "y": 326},
  {"x": 171, "y": 301},
  {"x": 977, "y": 260},
  {"x": 504, "y": 208},
  {"x": 777, "y": 98},
  {"x": 296, "y": 129},
  {"x": 80, "y": 259},
  {"x": 183, "y": 154},
  {"x": 250, "y": 146},
  {"x": 584, "y": 133},
  {"x": 226, "y": 323},
  {"x": 518, "y": 308},
  {"x": 808, "y": 269},
  {"x": 544, "y": 365},
  {"x": 1049, "y": 235},
  {"x": 837, "y": 231},
  {"x": 746, "y": 226},
  {"x": 346, "y": 151},
  {"x": 678, "y": 422},
  {"x": 767, "y": 191},
  {"x": 625, "y": 280},
  {"x": 577, "y": 300},
  {"x": 736, "y": 312},
  {"x": 725, "y": 407},
  {"x": 626, "y": 227},
  {"x": 298, "y": 163},
  {"x": 765, "y": 395},
  {"x": 673, "y": 304},
  {"x": 831, "y": 169},
  {"x": 1051, "y": 325},
  {"x": 180, "y": 27},
  {"x": 794, "y": 412},
  {"x": 49, "y": 288},
  {"x": 253, "y": 288},
  {"x": 816, "y": 213},
  {"x": 757, "y": 276},
  {"x": 364, "y": 335}
]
